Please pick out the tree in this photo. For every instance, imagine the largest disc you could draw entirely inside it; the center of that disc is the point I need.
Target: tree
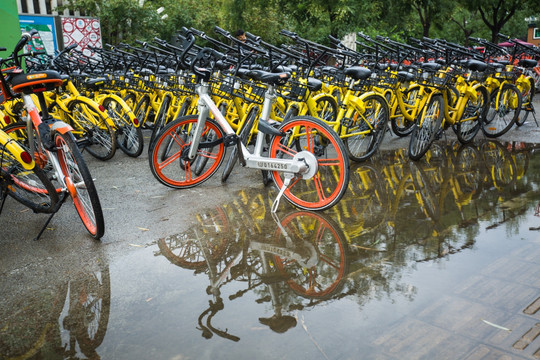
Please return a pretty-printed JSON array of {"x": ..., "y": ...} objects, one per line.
[{"x": 495, "y": 13}]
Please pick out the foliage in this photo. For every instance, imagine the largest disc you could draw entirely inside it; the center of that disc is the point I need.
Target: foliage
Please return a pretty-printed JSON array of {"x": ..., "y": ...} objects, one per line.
[{"x": 127, "y": 20}]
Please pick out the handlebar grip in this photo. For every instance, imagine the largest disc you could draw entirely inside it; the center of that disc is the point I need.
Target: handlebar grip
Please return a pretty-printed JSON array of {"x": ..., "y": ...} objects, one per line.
[
  {"x": 334, "y": 40},
  {"x": 197, "y": 32},
  {"x": 25, "y": 37},
  {"x": 252, "y": 37},
  {"x": 502, "y": 36},
  {"x": 287, "y": 33},
  {"x": 221, "y": 31},
  {"x": 3, "y": 49}
]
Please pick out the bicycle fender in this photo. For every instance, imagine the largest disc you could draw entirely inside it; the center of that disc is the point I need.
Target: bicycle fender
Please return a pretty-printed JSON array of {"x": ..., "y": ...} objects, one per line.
[
  {"x": 15, "y": 149},
  {"x": 61, "y": 127},
  {"x": 91, "y": 102}
]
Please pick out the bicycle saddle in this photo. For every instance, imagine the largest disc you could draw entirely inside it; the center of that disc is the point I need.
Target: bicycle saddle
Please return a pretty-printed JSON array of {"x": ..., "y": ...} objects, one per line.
[
  {"x": 269, "y": 78},
  {"x": 358, "y": 72},
  {"x": 528, "y": 63},
  {"x": 36, "y": 82},
  {"x": 475, "y": 65}
]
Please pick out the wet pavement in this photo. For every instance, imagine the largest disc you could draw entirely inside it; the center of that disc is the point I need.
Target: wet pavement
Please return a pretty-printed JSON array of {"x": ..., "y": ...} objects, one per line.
[{"x": 436, "y": 259}]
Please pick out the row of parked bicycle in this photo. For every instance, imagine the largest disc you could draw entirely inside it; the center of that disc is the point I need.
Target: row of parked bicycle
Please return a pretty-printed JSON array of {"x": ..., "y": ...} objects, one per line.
[{"x": 306, "y": 108}]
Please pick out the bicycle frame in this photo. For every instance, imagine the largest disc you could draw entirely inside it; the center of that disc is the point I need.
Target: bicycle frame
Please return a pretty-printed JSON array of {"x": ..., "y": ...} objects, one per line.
[
  {"x": 253, "y": 160},
  {"x": 33, "y": 121}
]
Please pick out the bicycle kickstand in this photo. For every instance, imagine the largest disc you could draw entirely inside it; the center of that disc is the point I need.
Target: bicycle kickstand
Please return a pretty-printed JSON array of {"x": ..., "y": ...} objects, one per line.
[
  {"x": 534, "y": 116},
  {"x": 3, "y": 197},
  {"x": 286, "y": 183},
  {"x": 55, "y": 210}
]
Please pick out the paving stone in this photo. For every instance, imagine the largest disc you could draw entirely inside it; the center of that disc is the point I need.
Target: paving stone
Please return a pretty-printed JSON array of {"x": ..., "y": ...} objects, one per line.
[{"x": 527, "y": 338}]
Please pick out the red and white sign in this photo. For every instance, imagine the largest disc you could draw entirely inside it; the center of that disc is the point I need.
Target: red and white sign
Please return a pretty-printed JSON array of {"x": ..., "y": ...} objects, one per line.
[{"x": 83, "y": 31}]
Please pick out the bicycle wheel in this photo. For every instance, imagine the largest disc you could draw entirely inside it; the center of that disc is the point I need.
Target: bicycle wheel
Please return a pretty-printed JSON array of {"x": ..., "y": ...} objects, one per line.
[
  {"x": 142, "y": 110},
  {"x": 329, "y": 183},
  {"x": 527, "y": 105},
  {"x": 504, "y": 108},
  {"x": 422, "y": 186},
  {"x": 245, "y": 134},
  {"x": 174, "y": 168},
  {"x": 399, "y": 124},
  {"x": 427, "y": 125},
  {"x": 129, "y": 138},
  {"x": 326, "y": 109},
  {"x": 96, "y": 135},
  {"x": 80, "y": 185},
  {"x": 130, "y": 99},
  {"x": 471, "y": 120},
  {"x": 325, "y": 262},
  {"x": 161, "y": 117},
  {"x": 31, "y": 188},
  {"x": 365, "y": 131}
]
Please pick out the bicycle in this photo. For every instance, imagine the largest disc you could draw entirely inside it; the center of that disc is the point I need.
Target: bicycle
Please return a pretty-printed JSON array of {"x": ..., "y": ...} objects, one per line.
[
  {"x": 22, "y": 179},
  {"x": 302, "y": 152},
  {"x": 362, "y": 119},
  {"x": 464, "y": 111},
  {"x": 51, "y": 143}
]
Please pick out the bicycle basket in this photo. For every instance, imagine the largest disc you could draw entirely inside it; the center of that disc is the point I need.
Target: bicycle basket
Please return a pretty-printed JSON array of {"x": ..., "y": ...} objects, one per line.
[
  {"x": 250, "y": 91},
  {"x": 293, "y": 90},
  {"x": 222, "y": 87}
]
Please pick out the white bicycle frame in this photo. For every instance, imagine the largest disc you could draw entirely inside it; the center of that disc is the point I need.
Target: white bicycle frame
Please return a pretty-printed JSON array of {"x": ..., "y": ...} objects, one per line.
[{"x": 303, "y": 164}]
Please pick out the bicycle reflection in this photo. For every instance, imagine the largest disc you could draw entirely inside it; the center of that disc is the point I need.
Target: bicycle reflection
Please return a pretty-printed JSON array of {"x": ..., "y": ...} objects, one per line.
[
  {"x": 397, "y": 213},
  {"x": 302, "y": 262},
  {"x": 70, "y": 322}
]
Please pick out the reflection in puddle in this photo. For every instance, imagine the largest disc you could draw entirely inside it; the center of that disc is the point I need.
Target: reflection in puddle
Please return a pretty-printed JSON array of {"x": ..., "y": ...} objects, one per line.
[
  {"x": 414, "y": 253},
  {"x": 302, "y": 262},
  {"x": 397, "y": 213},
  {"x": 67, "y": 320}
]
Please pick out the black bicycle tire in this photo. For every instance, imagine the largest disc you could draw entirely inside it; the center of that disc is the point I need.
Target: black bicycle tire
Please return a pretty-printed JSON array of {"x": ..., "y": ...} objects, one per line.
[
  {"x": 154, "y": 157},
  {"x": 508, "y": 125},
  {"x": 88, "y": 132},
  {"x": 466, "y": 137},
  {"x": 76, "y": 162},
  {"x": 375, "y": 136},
  {"x": 41, "y": 207},
  {"x": 416, "y": 152},
  {"x": 161, "y": 117},
  {"x": 129, "y": 138},
  {"x": 244, "y": 136}
]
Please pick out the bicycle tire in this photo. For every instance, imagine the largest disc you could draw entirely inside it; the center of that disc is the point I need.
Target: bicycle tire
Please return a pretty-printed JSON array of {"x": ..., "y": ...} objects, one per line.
[
  {"x": 398, "y": 123},
  {"x": 527, "y": 105},
  {"x": 244, "y": 135},
  {"x": 161, "y": 117},
  {"x": 370, "y": 126},
  {"x": 129, "y": 137},
  {"x": 313, "y": 234},
  {"x": 475, "y": 111},
  {"x": 142, "y": 110},
  {"x": 291, "y": 112},
  {"x": 80, "y": 184},
  {"x": 181, "y": 175},
  {"x": 330, "y": 183},
  {"x": 426, "y": 127},
  {"x": 131, "y": 100},
  {"x": 424, "y": 188},
  {"x": 98, "y": 136},
  {"x": 31, "y": 188},
  {"x": 500, "y": 117},
  {"x": 327, "y": 108}
]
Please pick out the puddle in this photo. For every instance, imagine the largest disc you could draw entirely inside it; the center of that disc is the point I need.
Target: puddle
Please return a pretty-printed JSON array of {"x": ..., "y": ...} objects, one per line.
[{"x": 432, "y": 259}]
